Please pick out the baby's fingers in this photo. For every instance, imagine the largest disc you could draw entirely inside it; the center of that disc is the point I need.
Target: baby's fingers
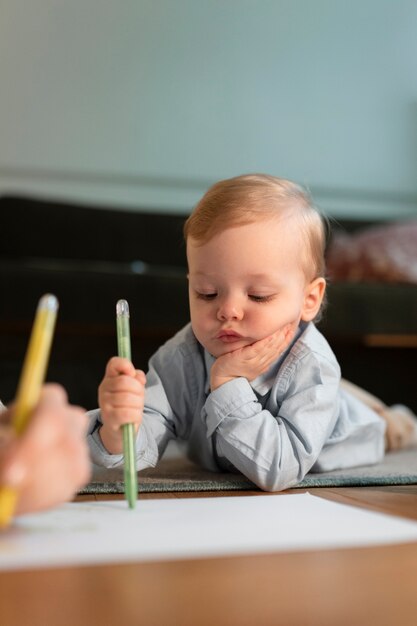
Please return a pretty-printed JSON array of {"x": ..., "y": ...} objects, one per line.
[
  {"x": 118, "y": 365},
  {"x": 117, "y": 417},
  {"x": 140, "y": 377},
  {"x": 122, "y": 400},
  {"x": 282, "y": 338},
  {"x": 289, "y": 332},
  {"x": 122, "y": 384}
]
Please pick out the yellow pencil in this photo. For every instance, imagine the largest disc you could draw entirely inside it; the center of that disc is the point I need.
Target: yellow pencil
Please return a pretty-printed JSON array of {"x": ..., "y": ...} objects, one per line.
[{"x": 30, "y": 383}]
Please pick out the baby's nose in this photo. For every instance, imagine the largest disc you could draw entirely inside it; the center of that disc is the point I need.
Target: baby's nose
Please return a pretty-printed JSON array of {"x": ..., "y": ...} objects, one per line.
[{"x": 229, "y": 310}]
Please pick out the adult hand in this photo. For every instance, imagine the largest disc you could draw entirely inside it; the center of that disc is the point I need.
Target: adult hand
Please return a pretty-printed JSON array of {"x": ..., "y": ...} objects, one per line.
[{"x": 50, "y": 462}]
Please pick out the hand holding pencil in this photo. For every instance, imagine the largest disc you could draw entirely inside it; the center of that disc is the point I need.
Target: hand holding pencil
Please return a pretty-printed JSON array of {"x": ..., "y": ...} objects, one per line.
[
  {"x": 50, "y": 462},
  {"x": 121, "y": 400},
  {"x": 43, "y": 456}
]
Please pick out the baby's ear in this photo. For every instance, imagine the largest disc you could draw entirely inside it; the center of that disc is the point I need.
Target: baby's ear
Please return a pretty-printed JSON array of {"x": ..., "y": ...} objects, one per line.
[{"x": 313, "y": 297}]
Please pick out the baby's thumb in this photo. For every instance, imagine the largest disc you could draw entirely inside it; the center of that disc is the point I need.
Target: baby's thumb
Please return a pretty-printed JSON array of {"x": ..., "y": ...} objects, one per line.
[{"x": 118, "y": 365}]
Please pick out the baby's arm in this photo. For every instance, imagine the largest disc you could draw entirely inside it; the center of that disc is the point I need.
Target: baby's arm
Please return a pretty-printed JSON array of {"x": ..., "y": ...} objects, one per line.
[
  {"x": 121, "y": 399},
  {"x": 160, "y": 422},
  {"x": 277, "y": 442}
]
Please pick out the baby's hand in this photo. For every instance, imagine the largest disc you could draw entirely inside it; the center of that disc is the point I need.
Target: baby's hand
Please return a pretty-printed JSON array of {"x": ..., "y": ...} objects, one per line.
[
  {"x": 121, "y": 397},
  {"x": 251, "y": 361}
]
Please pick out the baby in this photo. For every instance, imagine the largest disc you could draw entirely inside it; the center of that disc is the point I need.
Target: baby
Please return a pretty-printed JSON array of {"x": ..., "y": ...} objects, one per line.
[{"x": 250, "y": 383}]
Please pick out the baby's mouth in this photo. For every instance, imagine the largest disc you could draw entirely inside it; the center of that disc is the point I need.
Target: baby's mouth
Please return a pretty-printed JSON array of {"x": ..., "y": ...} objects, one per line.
[{"x": 228, "y": 336}]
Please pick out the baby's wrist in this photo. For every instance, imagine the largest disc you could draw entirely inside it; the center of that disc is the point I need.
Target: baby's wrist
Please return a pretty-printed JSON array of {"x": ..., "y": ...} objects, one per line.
[
  {"x": 218, "y": 381},
  {"x": 112, "y": 440}
]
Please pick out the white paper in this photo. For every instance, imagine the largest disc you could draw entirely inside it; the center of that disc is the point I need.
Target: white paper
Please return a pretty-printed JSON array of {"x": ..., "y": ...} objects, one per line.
[{"x": 162, "y": 529}]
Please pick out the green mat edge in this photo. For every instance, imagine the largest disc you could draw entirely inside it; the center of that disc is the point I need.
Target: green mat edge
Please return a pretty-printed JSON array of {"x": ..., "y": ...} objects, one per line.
[{"x": 165, "y": 486}]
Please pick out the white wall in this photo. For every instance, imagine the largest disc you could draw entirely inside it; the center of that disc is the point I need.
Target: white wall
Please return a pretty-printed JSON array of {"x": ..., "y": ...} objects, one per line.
[{"x": 145, "y": 103}]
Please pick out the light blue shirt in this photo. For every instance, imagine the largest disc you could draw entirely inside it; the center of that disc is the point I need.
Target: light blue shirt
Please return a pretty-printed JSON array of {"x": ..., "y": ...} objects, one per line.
[{"x": 292, "y": 419}]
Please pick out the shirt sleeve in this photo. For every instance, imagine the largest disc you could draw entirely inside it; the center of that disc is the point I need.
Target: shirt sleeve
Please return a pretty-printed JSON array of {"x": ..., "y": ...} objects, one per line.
[
  {"x": 276, "y": 446},
  {"x": 146, "y": 454}
]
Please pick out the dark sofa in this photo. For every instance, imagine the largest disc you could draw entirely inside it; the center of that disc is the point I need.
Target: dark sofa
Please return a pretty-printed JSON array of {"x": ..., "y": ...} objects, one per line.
[{"x": 90, "y": 257}]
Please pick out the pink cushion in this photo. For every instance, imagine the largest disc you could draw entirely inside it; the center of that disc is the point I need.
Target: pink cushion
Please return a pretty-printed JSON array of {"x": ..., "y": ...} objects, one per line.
[{"x": 386, "y": 253}]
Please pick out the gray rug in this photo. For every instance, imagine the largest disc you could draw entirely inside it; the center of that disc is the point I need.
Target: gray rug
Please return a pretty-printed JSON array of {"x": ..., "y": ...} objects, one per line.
[{"x": 398, "y": 468}]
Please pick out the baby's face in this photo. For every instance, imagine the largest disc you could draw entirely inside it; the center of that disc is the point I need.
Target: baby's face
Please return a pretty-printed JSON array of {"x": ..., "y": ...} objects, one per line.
[{"x": 245, "y": 284}]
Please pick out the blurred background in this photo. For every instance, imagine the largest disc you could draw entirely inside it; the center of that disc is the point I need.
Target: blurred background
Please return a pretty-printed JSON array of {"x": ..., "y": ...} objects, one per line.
[
  {"x": 145, "y": 103},
  {"x": 116, "y": 116}
]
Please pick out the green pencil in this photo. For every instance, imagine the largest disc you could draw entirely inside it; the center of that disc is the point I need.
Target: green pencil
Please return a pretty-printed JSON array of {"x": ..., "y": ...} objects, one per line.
[{"x": 129, "y": 450}]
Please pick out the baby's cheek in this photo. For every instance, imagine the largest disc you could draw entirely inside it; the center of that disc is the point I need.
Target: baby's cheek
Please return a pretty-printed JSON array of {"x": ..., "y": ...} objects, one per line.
[
  {"x": 201, "y": 328},
  {"x": 269, "y": 325}
]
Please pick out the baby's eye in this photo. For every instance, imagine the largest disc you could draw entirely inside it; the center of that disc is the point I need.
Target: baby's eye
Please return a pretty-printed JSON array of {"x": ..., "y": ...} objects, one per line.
[
  {"x": 256, "y": 298},
  {"x": 206, "y": 296}
]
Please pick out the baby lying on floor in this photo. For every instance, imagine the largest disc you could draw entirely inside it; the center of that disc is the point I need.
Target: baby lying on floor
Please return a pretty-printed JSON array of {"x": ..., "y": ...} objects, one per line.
[{"x": 250, "y": 383}]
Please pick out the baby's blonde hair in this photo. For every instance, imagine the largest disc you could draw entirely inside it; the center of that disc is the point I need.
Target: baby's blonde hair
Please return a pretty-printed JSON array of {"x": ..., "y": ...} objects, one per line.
[{"x": 248, "y": 198}]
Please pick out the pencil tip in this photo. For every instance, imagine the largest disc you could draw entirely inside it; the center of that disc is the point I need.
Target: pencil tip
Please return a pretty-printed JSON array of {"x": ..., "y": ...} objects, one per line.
[
  {"x": 122, "y": 307},
  {"x": 49, "y": 301}
]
